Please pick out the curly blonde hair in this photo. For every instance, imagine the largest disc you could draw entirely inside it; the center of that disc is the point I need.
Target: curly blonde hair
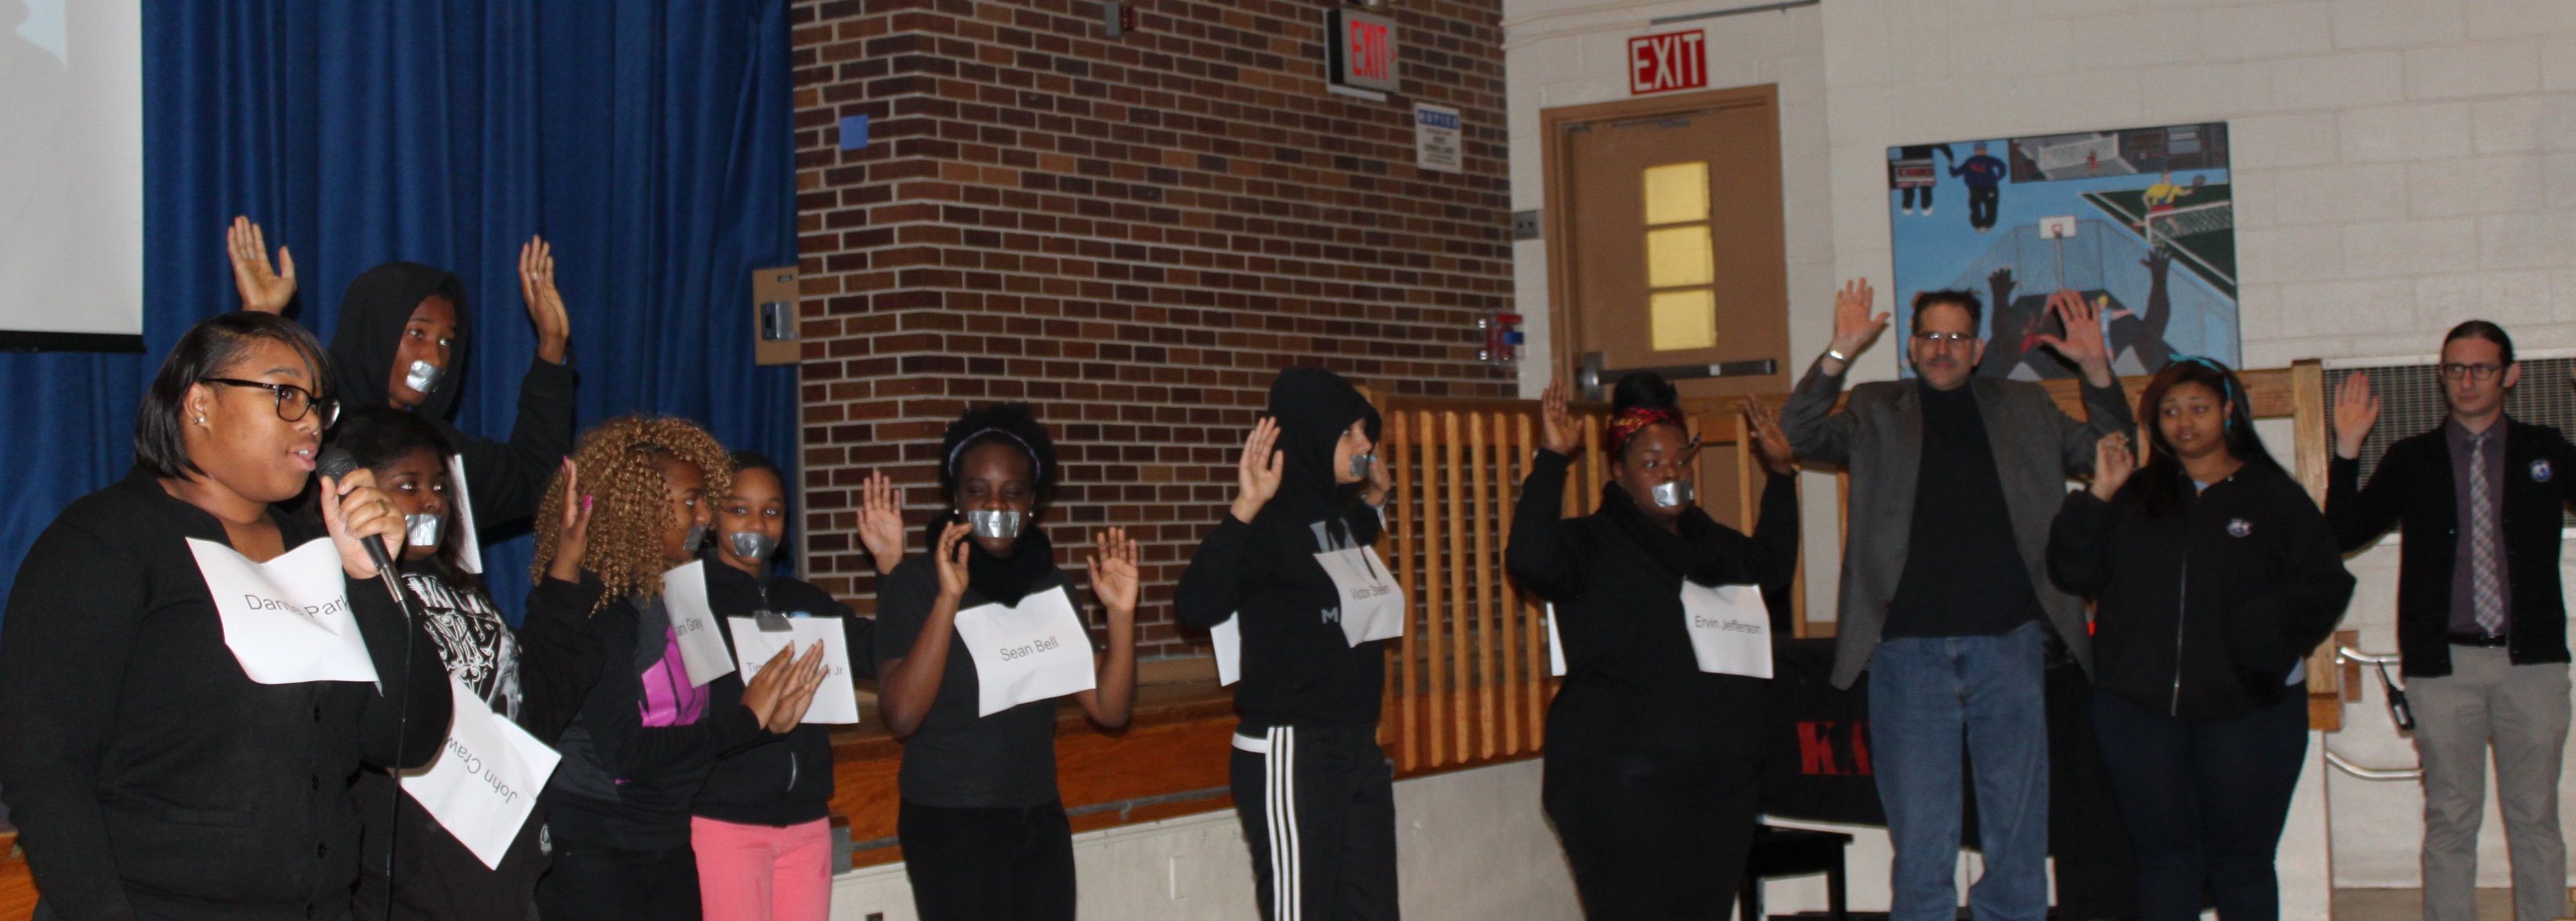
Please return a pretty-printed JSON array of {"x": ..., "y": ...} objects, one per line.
[{"x": 620, "y": 463}]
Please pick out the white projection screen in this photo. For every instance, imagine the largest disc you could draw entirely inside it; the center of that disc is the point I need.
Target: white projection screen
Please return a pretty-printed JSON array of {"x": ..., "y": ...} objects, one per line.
[{"x": 71, "y": 175}]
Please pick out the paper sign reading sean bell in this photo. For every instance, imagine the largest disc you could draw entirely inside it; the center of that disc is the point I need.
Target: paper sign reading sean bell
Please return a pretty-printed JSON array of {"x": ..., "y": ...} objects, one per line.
[{"x": 287, "y": 621}]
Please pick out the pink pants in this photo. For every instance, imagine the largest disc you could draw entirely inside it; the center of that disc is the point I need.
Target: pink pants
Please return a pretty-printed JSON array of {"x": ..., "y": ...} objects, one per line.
[{"x": 760, "y": 873}]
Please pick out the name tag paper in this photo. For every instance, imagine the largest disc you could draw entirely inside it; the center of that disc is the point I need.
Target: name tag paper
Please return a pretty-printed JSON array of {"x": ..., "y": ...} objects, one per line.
[
  {"x": 287, "y": 621},
  {"x": 1035, "y": 651},
  {"x": 693, "y": 621},
  {"x": 1372, "y": 604},
  {"x": 1730, "y": 629},
  {"x": 486, "y": 779},
  {"x": 1555, "y": 646},
  {"x": 836, "y": 701},
  {"x": 469, "y": 548},
  {"x": 1227, "y": 635}
]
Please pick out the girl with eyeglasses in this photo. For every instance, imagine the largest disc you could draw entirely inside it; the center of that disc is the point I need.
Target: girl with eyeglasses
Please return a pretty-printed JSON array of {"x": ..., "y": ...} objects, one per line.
[
  {"x": 149, "y": 774},
  {"x": 1654, "y": 750},
  {"x": 2213, "y": 575}
]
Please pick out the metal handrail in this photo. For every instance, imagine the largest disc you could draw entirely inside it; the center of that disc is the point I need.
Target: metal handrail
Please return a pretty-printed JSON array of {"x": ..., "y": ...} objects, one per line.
[
  {"x": 2349, "y": 654},
  {"x": 2366, "y": 658}
]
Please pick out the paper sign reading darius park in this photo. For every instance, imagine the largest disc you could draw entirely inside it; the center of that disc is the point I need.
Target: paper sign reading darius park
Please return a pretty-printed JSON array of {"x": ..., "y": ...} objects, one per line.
[
  {"x": 485, "y": 779},
  {"x": 836, "y": 701},
  {"x": 287, "y": 621},
  {"x": 693, "y": 622},
  {"x": 1035, "y": 650}
]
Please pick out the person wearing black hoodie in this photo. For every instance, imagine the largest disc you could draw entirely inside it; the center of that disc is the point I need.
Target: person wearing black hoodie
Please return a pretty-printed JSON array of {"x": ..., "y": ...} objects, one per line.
[
  {"x": 1295, "y": 563},
  {"x": 149, "y": 774},
  {"x": 402, "y": 340},
  {"x": 982, "y": 825},
  {"x": 761, "y": 826},
  {"x": 534, "y": 676},
  {"x": 1653, "y": 761},
  {"x": 646, "y": 735},
  {"x": 2213, "y": 575}
]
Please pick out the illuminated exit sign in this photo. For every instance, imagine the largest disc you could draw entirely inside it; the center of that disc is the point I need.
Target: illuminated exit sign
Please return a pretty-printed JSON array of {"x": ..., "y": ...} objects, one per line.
[
  {"x": 1362, "y": 50},
  {"x": 1667, "y": 62}
]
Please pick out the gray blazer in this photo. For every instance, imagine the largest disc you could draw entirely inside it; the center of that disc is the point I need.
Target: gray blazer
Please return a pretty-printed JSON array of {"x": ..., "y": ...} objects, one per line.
[{"x": 1878, "y": 438}]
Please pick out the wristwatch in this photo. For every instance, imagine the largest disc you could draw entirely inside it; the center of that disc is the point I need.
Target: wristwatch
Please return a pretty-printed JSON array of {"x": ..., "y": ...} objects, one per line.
[{"x": 1838, "y": 356}]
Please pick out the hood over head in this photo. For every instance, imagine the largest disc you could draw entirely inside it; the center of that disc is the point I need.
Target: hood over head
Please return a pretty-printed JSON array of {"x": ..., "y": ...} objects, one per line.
[
  {"x": 1313, "y": 407},
  {"x": 372, "y": 315}
]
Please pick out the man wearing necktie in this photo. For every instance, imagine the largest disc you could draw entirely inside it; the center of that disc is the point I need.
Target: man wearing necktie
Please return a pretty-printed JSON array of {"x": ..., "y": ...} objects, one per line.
[{"x": 2480, "y": 620}]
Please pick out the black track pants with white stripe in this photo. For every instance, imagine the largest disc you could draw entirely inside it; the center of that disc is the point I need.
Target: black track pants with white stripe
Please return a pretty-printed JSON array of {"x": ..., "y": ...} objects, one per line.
[{"x": 1318, "y": 809}]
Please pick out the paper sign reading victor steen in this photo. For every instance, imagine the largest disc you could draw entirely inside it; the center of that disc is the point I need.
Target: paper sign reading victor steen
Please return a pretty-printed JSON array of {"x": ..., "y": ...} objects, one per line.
[{"x": 287, "y": 621}]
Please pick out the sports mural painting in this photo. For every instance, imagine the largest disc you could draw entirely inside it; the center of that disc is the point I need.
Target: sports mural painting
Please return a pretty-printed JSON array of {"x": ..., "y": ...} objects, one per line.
[{"x": 2139, "y": 221}]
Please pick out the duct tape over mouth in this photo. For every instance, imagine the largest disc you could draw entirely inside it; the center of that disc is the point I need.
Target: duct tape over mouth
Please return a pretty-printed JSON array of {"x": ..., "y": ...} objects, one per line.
[
  {"x": 1672, "y": 493},
  {"x": 423, "y": 530},
  {"x": 1000, "y": 525},
  {"x": 422, "y": 376}
]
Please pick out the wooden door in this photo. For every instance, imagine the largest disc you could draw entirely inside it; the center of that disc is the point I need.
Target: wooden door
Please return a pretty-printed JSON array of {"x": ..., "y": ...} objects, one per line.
[{"x": 1665, "y": 244}]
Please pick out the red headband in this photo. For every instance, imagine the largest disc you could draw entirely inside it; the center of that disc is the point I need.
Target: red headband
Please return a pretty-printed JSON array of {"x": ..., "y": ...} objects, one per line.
[{"x": 1632, "y": 420}]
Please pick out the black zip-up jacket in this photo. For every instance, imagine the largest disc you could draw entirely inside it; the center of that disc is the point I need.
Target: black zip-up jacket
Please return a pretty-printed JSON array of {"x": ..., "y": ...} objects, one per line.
[
  {"x": 788, "y": 783},
  {"x": 436, "y": 876},
  {"x": 144, "y": 771},
  {"x": 1630, "y": 671},
  {"x": 2247, "y": 574},
  {"x": 2413, "y": 488},
  {"x": 623, "y": 785}
]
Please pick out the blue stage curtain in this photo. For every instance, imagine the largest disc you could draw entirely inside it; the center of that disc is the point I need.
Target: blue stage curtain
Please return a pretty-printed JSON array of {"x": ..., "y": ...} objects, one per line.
[{"x": 651, "y": 140}]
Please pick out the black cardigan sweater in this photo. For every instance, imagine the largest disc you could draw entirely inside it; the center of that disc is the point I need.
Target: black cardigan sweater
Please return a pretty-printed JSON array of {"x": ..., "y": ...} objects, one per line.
[
  {"x": 2413, "y": 488},
  {"x": 2248, "y": 575},
  {"x": 144, "y": 770},
  {"x": 1631, "y": 678},
  {"x": 789, "y": 783}
]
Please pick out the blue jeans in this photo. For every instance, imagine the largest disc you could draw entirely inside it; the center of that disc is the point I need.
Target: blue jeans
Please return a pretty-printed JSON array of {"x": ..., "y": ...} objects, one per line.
[{"x": 1926, "y": 696}]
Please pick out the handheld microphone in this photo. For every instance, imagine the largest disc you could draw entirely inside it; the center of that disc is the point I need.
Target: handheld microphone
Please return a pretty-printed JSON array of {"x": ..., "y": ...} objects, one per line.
[{"x": 337, "y": 464}]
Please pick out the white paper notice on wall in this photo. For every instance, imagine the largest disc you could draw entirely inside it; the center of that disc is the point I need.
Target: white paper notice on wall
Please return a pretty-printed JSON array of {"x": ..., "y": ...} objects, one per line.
[
  {"x": 2057, "y": 228},
  {"x": 693, "y": 623},
  {"x": 837, "y": 701},
  {"x": 485, "y": 780},
  {"x": 1227, "y": 636},
  {"x": 1435, "y": 138},
  {"x": 287, "y": 620}
]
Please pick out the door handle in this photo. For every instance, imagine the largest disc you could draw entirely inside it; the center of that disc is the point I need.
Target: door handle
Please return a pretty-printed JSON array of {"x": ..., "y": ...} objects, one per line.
[{"x": 1594, "y": 381}]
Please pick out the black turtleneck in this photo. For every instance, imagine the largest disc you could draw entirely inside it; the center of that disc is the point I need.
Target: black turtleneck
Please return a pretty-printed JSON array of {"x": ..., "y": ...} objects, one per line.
[{"x": 1964, "y": 574}]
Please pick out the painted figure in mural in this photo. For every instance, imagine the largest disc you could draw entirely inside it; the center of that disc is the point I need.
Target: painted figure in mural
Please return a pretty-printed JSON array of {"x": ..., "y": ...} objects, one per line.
[{"x": 1984, "y": 175}]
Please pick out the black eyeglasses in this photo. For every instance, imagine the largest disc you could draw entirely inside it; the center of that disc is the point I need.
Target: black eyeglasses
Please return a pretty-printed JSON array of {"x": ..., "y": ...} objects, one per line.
[
  {"x": 293, "y": 402},
  {"x": 2483, "y": 372}
]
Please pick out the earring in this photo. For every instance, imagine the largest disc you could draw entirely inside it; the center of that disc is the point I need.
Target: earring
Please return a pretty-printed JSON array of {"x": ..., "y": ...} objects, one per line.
[{"x": 201, "y": 421}]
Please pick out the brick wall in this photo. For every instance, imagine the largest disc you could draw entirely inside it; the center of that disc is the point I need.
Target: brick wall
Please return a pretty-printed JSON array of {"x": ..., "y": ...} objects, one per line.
[{"x": 1132, "y": 234}]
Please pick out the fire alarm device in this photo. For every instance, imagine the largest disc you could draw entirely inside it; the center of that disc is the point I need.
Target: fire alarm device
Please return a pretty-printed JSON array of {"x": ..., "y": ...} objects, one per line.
[{"x": 775, "y": 335}]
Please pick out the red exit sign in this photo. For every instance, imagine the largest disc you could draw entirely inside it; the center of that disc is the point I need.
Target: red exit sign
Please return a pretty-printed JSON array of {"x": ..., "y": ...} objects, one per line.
[
  {"x": 1667, "y": 62},
  {"x": 1362, "y": 50}
]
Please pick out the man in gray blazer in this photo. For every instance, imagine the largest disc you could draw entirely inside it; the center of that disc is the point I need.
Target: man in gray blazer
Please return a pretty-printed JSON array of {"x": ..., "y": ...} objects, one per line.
[{"x": 1945, "y": 600}]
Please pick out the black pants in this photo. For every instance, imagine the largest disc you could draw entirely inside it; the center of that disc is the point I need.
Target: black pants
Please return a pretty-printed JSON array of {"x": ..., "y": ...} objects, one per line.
[
  {"x": 1982, "y": 200},
  {"x": 612, "y": 885},
  {"x": 1318, "y": 810},
  {"x": 1653, "y": 835},
  {"x": 2205, "y": 801},
  {"x": 988, "y": 864},
  {"x": 1913, "y": 190},
  {"x": 45, "y": 912}
]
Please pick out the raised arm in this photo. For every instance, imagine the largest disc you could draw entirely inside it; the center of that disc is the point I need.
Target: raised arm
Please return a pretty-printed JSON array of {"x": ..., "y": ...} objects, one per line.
[
  {"x": 2079, "y": 552},
  {"x": 2361, "y": 514},
  {"x": 265, "y": 287},
  {"x": 1814, "y": 429},
  {"x": 1113, "y": 580},
  {"x": 1535, "y": 555},
  {"x": 908, "y": 684},
  {"x": 1211, "y": 589}
]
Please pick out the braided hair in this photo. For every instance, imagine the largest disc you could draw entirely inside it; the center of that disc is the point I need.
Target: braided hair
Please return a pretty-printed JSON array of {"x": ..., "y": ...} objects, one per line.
[{"x": 620, "y": 463}]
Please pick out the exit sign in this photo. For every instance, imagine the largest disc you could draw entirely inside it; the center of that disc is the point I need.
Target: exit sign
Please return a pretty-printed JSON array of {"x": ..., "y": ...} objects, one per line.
[
  {"x": 1667, "y": 62},
  {"x": 1361, "y": 49}
]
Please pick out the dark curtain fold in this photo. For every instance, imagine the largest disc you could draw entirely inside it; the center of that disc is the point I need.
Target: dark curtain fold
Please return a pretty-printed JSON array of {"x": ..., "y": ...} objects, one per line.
[{"x": 651, "y": 140}]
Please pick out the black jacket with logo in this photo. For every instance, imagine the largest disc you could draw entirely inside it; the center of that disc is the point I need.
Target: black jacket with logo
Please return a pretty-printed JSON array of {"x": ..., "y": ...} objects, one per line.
[
  {"x": 790, "y": 782},
  {"x": 2413, "y": 488},
  {"x": 2202, "y": 613}
]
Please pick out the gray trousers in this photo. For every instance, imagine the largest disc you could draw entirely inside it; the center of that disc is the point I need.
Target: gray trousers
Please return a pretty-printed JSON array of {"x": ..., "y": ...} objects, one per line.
[{"x": 2521, "y": 710}]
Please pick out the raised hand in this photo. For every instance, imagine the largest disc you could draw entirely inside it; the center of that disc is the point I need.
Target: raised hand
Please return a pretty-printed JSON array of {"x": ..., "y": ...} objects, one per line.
[
  {"x": 545, "y": 304},
  {"x": 2356, "y": 409},
  {"x": 2082, "y": 343},
  {"x": 572, "y": 536},
  {"x": 1381, "y": 479},
  {"x": 881, "y": 520},
  {"x": 1257, "y": 473},
  {"x": 1557, "y": 429},
  {"x": 951, "y": 559},
  {"x": 264, "y": 288},
  {"x": 1113, "y": 570},
  {"x": 779, "y": 693},
  {"x": 353, "y": 511},
  {"x": 2112, "y": 465},
  {"x": 1768, "y": 439},
  {"x": 1854, "y": 327}
]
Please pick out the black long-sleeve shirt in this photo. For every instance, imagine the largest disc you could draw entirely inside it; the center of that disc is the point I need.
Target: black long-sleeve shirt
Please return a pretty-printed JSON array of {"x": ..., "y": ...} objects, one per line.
[
  {"x": 506, "y": 480},
  {"x": 144, "y": 770},
  {"x": 1298, "y": 667},
  {"x": 1628, "y": 655},
  {"x": 790, "y": 782},
  {"x": 2204, "y": 612},
  {"x": 622, "y": 784}
]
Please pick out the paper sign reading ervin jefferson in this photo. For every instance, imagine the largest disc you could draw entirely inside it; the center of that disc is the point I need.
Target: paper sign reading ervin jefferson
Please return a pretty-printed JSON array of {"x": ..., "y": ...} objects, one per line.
[
  {"x": 485, "y": 780},
  {"x": 287, "y": 621},
  {"x": 1034, "y": 651},
  {"x": 693, "y": 622}
]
